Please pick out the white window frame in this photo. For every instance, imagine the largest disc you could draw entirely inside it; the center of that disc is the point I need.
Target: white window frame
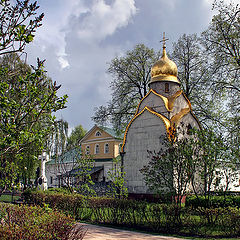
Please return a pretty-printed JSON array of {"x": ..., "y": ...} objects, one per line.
[
  {"x": 98, "y": 134},
  {"x": 87, "y": 150},
  {"x": 106, "y": 148},
  {"x": 97, "y": 149}
]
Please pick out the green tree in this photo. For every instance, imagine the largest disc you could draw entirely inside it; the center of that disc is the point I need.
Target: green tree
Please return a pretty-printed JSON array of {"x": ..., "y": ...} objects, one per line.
[
  {"x": 171, "y": 169},
  {"x": 213, "y": 154},
  {"x": 116, "y": 175},
  {"x": 222, "y": 43},
  {"x": 57, "y": 140},
  {"x": 25, "y": 117},
  {"x": 76, "y": 135},
  {"x": 188, "y": 55},
  {"x": 131, "y": 75},
  {"x": 28, "y": 98},
  {"x": 191, "y": 162},
  {"x": 19, "y": 22}
]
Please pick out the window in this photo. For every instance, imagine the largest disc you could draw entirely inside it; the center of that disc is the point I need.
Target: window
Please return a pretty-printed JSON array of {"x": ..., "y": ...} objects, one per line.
[
  {"x": 98, "y": 134},
  {"x": 87, "y": 149},
  {"x": 166, "y": 87},
  {"x": 51, "y": 180},
  {"x": 106, "y": 148},
  {"x": 96, "y": 149}
]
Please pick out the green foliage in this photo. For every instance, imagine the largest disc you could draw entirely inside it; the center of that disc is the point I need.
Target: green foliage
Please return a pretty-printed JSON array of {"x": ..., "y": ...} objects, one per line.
[
  {"x": 170, "y": 170},
  {"x": 194, "y": 159},
  {"x": 57, "y": 140},
  {"x": 222, "y": 41},
  {"x": 69, "y": 203},
  {"x": 76, "y": 135},
  {"x": 27, "y": 97},
  {"x": 116, "y": 175},
  {"x": 215, "y": 201},
  {"x": 161, "y": 218},
  {"x": 8, "y": 198},
  {"x": 58, "y": 190},
  {"x": 36, "y": 223},
  {"x": 18, "y": 24},
  {"x": 26, "y": 118}
]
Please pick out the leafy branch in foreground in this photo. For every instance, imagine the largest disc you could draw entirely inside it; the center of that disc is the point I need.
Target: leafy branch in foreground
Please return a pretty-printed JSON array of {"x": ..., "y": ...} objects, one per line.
[{"x": 18, "y": 25}]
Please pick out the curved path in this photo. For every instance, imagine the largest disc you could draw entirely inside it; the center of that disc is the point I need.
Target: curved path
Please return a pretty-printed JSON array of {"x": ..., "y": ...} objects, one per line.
[{"x": 95, "y": 232}]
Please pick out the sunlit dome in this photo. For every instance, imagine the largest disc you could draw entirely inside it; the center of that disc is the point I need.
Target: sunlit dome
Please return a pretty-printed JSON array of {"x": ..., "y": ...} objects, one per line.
[{"x": 164, "y": 69}]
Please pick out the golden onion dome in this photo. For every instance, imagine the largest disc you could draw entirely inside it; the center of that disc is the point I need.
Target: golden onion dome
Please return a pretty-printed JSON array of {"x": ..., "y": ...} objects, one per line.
[{"x": 164, "y": 70}]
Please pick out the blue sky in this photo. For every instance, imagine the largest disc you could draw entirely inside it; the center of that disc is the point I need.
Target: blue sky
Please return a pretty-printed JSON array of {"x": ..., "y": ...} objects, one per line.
[{"x": 80, "y": 37}]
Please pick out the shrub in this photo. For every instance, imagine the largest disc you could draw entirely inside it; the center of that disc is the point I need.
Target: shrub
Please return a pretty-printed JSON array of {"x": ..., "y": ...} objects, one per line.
[
  {"x": 36, "y": 223},
  {"x": 69, "y": 203},
  {"x": 214, "y": 201},
  {"x": 195, "y": 219}
]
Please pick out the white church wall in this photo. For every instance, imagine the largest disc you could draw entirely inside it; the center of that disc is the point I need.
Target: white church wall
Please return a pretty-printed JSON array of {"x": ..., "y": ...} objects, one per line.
[
  {"x": 160, "y": 88},
  {"x": 154, "y": 102},
  {"x": 143, "y": 134},
  {"x": 180, "y": 103}
]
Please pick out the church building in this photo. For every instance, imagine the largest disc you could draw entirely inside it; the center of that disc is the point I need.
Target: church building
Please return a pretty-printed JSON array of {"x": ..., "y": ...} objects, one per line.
[{"x": 158, "y": 114}]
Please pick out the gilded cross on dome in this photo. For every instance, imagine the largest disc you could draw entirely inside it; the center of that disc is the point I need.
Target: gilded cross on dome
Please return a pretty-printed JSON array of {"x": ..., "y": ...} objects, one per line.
[{"x": 164, "y": 40}]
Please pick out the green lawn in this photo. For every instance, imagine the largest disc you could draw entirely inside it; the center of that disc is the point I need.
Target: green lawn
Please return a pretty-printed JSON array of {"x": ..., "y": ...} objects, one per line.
[{"x": 8, "y": 198}]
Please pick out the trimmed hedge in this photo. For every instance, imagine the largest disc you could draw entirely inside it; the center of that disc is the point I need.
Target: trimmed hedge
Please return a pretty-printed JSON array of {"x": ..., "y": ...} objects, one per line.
[
  {"x": 69, "y": 203},
  {"x": 214, "y": 202},
  {"x": 36, "y": 223},
  {"x": 161, "y": 218}
]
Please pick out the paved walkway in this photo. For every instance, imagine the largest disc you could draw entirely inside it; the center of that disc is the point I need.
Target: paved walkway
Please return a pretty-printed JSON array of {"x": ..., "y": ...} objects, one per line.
[{"x": 106, "y": 233}]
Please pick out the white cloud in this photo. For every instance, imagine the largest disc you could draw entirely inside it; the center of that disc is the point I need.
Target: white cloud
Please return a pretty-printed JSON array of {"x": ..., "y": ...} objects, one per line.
[
  {"x": 79, "y": 37},
  {"x": 96, "y": 20},
  {"x": 55, "y": 26},
  {"x": 63, "y": 62},
  {"x": 103, "y": 20}
]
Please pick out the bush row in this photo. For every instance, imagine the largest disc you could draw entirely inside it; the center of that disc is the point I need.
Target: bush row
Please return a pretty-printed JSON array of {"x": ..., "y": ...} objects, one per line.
[
  {"x": 36, "y": 223},
  {"x": 146, "y": 216},
  {"x": 69, "y": 203},
  {"x": 213, "y": 202}
]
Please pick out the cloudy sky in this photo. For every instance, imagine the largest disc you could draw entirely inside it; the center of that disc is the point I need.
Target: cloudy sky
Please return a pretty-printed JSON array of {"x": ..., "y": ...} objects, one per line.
[{"x": 80, "y": 37}]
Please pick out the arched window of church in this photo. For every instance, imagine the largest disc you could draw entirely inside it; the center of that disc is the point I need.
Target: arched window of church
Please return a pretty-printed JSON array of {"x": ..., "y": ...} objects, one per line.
[
  {"x": 98, "y": 134},
  {"x": 106, "y": 148},
  {"x": 87, "y": 149},
  {"x": 166, "y": 87},
  {"x": 96, "y": 149}
]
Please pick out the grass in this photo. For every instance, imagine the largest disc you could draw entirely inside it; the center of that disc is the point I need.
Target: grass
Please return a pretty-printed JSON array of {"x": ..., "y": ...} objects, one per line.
[{"x": 8, "y": 198}]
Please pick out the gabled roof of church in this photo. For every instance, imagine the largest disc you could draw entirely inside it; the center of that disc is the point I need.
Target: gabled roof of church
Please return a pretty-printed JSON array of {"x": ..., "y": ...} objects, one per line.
[
  {"x": 168, "y": 101},
  {"x": 112, "y": 132},
  {"x": 164, "y": 120},
  {"x": 109, "y": 131}
]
